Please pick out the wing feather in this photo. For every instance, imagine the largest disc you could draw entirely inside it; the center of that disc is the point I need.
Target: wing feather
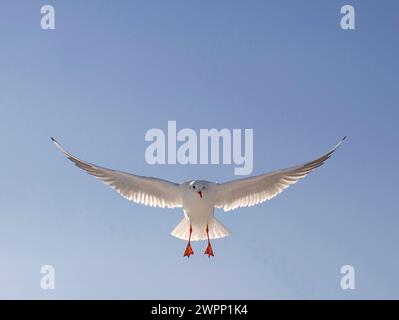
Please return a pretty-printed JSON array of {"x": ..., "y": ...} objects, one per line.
[
  {"x": 143, "y": 190},
  {"x": 254, "y": 190}
]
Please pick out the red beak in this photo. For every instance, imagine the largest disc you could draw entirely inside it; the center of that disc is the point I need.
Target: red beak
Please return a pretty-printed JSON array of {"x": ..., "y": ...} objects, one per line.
[{"x": 200, "y": 193}]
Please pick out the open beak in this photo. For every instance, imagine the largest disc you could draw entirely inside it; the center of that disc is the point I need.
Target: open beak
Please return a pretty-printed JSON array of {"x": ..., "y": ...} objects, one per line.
[{"x": 200, "y": 193}]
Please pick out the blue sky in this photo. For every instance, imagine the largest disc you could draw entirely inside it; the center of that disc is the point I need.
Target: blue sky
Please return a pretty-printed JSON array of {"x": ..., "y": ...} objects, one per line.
[{"x": 112, "y": 70}]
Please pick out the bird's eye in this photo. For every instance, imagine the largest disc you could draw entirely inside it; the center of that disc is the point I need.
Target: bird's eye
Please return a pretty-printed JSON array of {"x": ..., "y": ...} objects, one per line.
[{"x": 194, "y": 187}]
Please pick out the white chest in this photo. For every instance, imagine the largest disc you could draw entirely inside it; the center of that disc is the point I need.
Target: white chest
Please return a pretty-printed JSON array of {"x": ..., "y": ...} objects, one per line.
[{"x": 198, "y": 209}]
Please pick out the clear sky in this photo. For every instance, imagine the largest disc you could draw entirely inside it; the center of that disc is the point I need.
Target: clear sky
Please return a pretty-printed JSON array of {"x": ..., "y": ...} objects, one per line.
[{"x": 112, "y": 70}]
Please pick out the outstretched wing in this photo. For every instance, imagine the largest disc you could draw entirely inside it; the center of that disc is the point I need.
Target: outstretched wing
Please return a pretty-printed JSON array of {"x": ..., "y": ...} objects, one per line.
[
  {"x": 143, "y": 190},
  {"x": 254, "y": 190}
]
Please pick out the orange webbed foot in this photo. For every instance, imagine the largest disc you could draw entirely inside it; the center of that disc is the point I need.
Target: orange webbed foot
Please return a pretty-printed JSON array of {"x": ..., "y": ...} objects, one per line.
[
  {"x": 189, "y": 251},
  {"x": 209, "y": 251}
]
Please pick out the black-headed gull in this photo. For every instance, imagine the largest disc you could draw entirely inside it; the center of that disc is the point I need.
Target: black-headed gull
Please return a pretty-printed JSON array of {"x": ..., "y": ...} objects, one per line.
[{"x": 199, "y": 198}]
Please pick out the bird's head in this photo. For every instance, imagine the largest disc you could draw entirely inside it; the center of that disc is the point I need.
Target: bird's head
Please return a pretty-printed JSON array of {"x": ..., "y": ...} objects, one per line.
[{"x": 199, "y": 187}]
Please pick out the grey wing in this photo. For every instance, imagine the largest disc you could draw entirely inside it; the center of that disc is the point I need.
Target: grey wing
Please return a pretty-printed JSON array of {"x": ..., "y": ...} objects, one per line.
[
  {"x": 143, "y": 190},
  {"x": 254, "y": 190}
]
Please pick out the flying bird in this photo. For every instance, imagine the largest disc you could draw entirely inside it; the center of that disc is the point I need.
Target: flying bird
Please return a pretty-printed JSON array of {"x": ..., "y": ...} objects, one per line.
[{"x": 199, "y": 198}]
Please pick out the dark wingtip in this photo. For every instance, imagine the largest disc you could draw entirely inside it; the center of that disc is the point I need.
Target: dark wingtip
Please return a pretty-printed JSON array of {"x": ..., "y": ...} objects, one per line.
[
  {"x": 52, "y": 139},
  {"x": 344, "y": 138}
]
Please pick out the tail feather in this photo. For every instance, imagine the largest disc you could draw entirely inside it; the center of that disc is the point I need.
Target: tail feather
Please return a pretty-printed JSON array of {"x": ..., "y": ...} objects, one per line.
[{"x": 216, "y": 230}]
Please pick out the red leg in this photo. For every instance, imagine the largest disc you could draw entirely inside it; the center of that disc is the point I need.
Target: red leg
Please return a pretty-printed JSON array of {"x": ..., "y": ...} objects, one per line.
[
  {"x": 208, "y": 249},
  {"x": 189, "y": 251}
]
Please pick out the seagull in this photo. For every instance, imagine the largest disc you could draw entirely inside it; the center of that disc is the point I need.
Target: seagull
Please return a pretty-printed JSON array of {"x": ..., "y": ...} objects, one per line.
[{"x": 199, "y": 198}]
